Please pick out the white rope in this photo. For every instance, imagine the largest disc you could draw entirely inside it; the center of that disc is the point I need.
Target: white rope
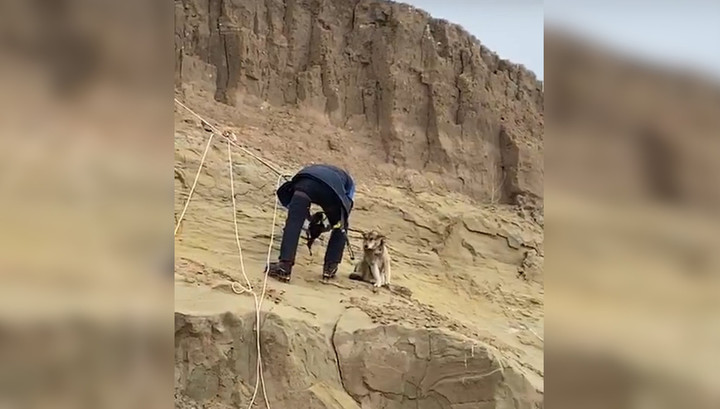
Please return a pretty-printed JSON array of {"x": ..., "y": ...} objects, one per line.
[
  {"x": 258, "y": 304},
  {"x": 259, "y": 159},
  {"x": 192, "y": 189},
  {"x": 237, "y": 235},
  {"x": 272, "y": 235},
  {"x": 259, "y": 377},
  {"x": 258, "y": 300}
]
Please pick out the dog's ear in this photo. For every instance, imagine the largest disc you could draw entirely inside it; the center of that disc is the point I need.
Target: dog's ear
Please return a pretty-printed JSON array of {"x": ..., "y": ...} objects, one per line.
[{"x": 383, "y": 240}]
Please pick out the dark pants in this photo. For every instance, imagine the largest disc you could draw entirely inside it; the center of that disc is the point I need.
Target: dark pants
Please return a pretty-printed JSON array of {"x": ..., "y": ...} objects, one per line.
[{"x": 309, "y": 191}]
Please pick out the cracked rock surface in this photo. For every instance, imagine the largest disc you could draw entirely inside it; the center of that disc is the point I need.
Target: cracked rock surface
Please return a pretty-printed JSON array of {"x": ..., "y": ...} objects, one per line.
[
  {"x": 397, "y": 367},
  {"x": 357, "y": 365}
]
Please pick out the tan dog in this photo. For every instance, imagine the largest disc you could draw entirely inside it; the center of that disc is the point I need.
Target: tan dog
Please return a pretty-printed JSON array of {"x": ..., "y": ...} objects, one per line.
[{"x": 375, "y": 264}]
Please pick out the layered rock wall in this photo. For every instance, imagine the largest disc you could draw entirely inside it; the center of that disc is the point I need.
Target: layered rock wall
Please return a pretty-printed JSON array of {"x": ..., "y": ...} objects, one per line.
[{"x": 434, "y": 98}]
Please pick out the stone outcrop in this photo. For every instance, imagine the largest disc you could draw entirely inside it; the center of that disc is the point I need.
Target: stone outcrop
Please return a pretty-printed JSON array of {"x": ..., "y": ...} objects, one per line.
[
  {"x": 353, "y": 364},
  {"x": 399, "y": 368}
]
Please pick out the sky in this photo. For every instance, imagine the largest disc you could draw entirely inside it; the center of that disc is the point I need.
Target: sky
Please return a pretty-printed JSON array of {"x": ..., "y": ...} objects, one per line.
[
  {"x": 676, "y": 33},
  {"x": 511, "y": 28},
  {"x": 679, "y": 34}
]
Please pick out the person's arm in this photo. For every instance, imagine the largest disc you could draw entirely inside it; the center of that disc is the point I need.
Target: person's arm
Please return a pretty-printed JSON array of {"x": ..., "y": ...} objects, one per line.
[
  {"x": 351, "y": 194},
  {"x": 282, "y": 206},
  {"x": 350, "y": 188}
]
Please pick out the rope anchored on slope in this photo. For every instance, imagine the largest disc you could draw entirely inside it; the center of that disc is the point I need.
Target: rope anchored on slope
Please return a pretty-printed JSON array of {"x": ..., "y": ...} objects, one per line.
[
  {"x": 265, "y": 162},
  {"x": 247, "y": 288}
]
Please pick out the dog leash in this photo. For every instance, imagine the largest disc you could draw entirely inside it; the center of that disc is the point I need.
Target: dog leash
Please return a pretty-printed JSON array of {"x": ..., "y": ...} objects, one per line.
[
  {"x": 344, "y": 227},
  {"x": 347, "y": 239}
]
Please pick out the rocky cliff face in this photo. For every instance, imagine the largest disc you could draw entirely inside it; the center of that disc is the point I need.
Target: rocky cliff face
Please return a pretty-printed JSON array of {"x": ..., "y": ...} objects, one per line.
[
  {"x": 424, "y": 89},
  {"x": 415, "y": 108}
]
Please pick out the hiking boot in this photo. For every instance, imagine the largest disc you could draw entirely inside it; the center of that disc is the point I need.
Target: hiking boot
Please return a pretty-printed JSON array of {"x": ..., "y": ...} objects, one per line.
[
  {"x": 280, "y": 270},
  {"x": 329, "y": 271}
]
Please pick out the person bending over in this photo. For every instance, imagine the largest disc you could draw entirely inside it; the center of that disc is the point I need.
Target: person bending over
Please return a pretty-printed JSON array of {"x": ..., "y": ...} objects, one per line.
[{"x": 329, "y": 187}]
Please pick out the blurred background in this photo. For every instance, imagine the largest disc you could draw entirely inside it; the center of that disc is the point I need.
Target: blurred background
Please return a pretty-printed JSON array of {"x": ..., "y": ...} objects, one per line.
[
  {"x": 632, "y": 194},
  {"x": 86, "y": 147},
  {"x": 632, "y": 198}
]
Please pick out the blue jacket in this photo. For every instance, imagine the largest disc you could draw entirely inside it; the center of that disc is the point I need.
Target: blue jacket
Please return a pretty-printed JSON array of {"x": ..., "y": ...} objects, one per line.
[{"x": 337, "y": 179}]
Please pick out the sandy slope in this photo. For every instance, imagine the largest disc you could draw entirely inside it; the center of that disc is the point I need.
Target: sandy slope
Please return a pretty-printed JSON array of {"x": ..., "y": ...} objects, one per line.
[{"x": 455, "y": 262}]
